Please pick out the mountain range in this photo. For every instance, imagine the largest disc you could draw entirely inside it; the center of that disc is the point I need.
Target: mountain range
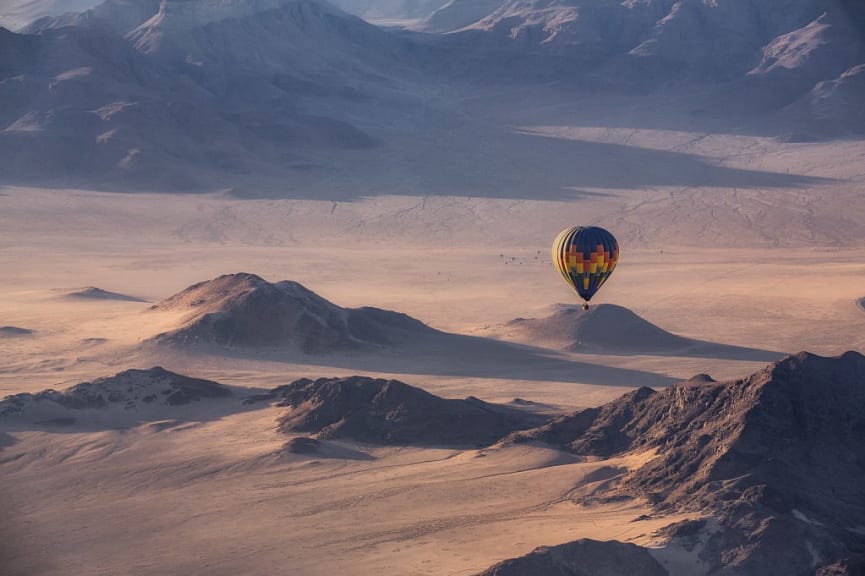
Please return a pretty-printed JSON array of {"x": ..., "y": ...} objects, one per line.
[{"x": 278, "y": 94}]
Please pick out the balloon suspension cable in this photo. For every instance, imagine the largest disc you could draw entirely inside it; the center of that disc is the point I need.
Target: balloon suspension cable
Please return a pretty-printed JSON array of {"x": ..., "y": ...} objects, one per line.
[{"x": 585, "y": 305}]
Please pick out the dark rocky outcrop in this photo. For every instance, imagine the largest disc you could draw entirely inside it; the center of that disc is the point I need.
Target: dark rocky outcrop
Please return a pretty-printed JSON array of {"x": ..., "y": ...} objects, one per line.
[
  {"x": 302, "y": 445},
  {"x": 128, "y": 390},
  {"x": 391, "y": 412},
  {"x": 93, "y": 293},
  {"x": 13, "y": 331},
  {"x": 777, "y": 458},
  {"x": 581, "y": 558}
]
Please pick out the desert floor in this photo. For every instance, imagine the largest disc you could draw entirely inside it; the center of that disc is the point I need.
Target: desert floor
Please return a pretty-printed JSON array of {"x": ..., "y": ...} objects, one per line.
[{"x": 765, "y": 262}]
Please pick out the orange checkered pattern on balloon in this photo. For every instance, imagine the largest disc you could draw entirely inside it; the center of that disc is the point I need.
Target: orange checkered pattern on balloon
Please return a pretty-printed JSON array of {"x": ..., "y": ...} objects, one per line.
[{"x": 599, "y": 260}]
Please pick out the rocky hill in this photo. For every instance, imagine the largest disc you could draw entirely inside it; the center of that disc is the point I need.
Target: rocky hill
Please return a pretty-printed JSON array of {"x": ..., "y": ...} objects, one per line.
[
  {"x": 581, "y": 558},
  {"x": 114, "y": 400},
  {"x": 244, "y": 310},
  {"x": 392, "y": 412},
  {"x": 776, "y": 458}
]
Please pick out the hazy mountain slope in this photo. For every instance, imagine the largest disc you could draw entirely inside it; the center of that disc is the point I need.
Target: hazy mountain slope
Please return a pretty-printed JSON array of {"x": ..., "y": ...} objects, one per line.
[
  {"x": 278, "y": 96},
  {"x": 761, "y": 56},
  {"x": 833, "y": 107},
  {"x": 16, "y": 14},
  {"x": 776, "y": 458},
  {"x": 395, "y": 10},
  {"x": 119, "y": 16},
  {"x": 197, "y": 91}
]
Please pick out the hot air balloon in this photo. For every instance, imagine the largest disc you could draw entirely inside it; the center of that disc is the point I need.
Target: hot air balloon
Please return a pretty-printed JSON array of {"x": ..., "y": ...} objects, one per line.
[{"x": 585, "y": 256}]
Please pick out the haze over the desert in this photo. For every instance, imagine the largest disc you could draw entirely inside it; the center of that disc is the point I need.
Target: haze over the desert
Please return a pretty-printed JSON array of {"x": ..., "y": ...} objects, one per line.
[{"x": 277, "y": 294}]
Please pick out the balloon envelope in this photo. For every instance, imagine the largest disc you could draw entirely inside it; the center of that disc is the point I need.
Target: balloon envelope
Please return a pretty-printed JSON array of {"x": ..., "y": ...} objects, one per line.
[{"x": 585, "y": 256}]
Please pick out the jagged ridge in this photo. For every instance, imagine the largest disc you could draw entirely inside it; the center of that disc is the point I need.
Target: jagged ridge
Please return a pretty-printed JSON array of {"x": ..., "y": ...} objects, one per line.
[
  {"x": 581, "y": 558},
  {"x": 128, "y": 389},
  {"x": 762, "y": 454},
  {"x": 392, "y": 412}
]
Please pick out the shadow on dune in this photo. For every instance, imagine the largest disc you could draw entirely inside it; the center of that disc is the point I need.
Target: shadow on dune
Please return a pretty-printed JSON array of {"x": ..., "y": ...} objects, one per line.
[
  {"x": 324, "y": 450},
  {"x": 452, "y": 355},
  {"x": 560, "y": 169},
  {"x": 7, "y": 440},
  {"x": 472, "y": 164},
  {"x": 703, "y": 349}
]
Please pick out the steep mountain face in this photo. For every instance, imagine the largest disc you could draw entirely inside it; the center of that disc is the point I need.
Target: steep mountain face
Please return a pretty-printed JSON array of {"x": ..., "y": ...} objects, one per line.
[
  {"x": 119, "y": 16},
  {"x": 390, "y": 10},
  {"x": 245, "y": 310},
  {"x": 833, "y": 107},
  {"x": 180, "y": 97},
  {"x": 776, "y": 457},
  {"x": 719, "y": 35},
  {"x": 392, "y": 412},
  {"x": 17, "y": 14},
  {"x": 760, "y": 56}
]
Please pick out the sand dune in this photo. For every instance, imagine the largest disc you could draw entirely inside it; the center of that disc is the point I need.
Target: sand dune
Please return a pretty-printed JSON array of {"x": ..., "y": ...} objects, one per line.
[{"x": 612, "y": 329}]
